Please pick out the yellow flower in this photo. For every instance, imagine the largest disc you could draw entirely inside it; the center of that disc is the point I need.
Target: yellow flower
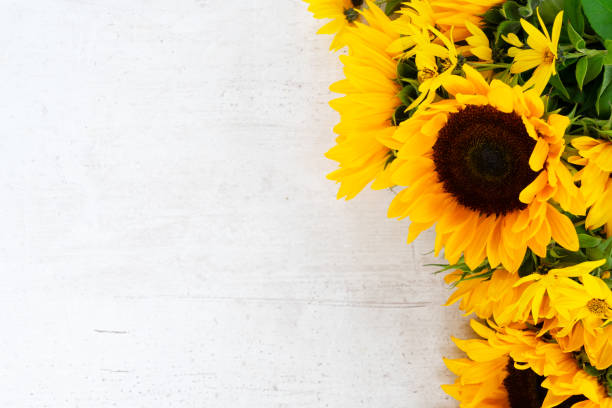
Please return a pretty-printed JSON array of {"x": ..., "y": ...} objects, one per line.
[
  {"x": 446, "y": 15},
  {"x": 595, "y": 184},
  {"x": 545, "y": 290},
  {"x": 483, "y": 167},
  {"x": 506, "y": 368},
  {"x": 590, "y": 306},
  {"x": 590, "y": 303},
  {"x": 426, "y": 54},
  {"x": 364, "y": 142},
  {"x": 495, "y": 297},
  {"x": 478, "y": 43},
  {"x": 542, "y": 54},
  {"x": 343, "y": 14}
]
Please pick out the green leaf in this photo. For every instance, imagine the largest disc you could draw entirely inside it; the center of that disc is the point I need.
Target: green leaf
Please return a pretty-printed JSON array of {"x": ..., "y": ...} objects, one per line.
[
  {"x": 594, "y": 68},
  {"x": 592, "y": 371},
  {"x": 511, "y": 10},
  {"x": 608, "y": 58},
  {"x": 508, "y": 27},
  {"x": 573, "y": 12},
  {"x": 392, "y": 5},
  {"x": 400, "y": 115},
  {"x": 555, "y": 81},
  {"x": 604, "y": 96},
  {"x": 594, "y": 254},
  {"x": 525, "y": 11},
  {"x": 575, "y": 38},
  {"x": 493, "y": 16},
  {"x": 406, "y": 69},
  {"x": 549, "y": 10},
  {"x": 407, "y": 95},
  {"x": 581, "y": 69},
  {"x": 588, "y": 241},
  {"x": 599, "y": 14}
]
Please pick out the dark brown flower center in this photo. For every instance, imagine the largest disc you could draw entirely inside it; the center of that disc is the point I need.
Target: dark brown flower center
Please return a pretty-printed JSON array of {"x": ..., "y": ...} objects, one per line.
[
  {"x": 357, "y": 3},
  {"x": 482, "y": 159},
  {"x": 525, "y": 389}
]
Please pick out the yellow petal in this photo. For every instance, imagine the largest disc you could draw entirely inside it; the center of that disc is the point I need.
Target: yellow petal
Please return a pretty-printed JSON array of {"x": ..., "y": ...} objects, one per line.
[
  {"x": 562, "y": 229},
  {"x": 577, "y": 270},
  {"x": 539, "y": 154},
  {"x": 512, "y": 39},
  {"x": 528, "y": 194}
]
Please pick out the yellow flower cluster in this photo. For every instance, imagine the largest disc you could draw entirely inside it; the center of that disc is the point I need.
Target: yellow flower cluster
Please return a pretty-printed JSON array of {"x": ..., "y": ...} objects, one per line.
[
  {"x": 569, "y": 304},
  {"x": 465, "y": 107}
]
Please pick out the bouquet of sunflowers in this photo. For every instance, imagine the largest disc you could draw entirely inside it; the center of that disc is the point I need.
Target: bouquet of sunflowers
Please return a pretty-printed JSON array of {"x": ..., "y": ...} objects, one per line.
[{"x": 493, "y": 119}]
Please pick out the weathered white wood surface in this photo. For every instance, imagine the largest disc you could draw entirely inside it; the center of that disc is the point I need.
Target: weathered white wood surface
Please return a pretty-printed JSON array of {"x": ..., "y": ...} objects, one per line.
[{"x": 168, "y": 238}]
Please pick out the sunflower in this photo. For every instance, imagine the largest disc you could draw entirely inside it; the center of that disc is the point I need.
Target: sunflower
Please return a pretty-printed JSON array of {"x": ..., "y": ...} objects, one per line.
[
  {"x": 595, "y": 184},
  {"x": 364, "y": 144},
  {"x": 343, "y": 13},
  {"x": 512, "y": 367},
  {"x": 484, "y": 167},
  {"x": 542, "y": 54}
]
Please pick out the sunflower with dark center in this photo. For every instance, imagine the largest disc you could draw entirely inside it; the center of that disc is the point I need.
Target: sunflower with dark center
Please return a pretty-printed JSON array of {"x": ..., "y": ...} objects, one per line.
[
  {"x": 485, "y": 167},
  {"x": 482, "y": 159},
  {"x": 539, "y": 373}
]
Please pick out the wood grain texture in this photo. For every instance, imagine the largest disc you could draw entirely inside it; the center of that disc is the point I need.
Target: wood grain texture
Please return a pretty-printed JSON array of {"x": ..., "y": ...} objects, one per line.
[{"x": 168, "y": 236}]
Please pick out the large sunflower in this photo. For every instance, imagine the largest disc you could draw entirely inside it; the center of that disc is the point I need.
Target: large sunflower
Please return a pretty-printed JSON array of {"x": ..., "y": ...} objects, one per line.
[
  {"x": 484, "y": 168},
  {"x": 595, "y": 183},
  {"x": 364, "y": 140},
  {"x": 343, "y": 14},
  {"x": 513, "y": 368}
]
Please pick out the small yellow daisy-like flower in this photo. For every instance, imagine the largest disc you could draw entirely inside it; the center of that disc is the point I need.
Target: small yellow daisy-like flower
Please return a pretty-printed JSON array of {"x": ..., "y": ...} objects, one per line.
[
  {"x": 363, "y": 146},
  {"x": 535, "y": 301},
  {"x": 342, "y": 12},
  {"x": 511, "y": 367},
  {"x": 478, "y": 43},
  {"x": 590, "y": 306},
  {"x": 595, "y": 182},
  {"x": 483, "y": 167},
  {"x": 542, "y": 54},
  {"x": 417, "y": 42}
]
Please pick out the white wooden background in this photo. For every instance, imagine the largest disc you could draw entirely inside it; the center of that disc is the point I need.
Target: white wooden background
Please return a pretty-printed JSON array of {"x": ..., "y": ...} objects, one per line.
[{"x": 168, "y": 238}]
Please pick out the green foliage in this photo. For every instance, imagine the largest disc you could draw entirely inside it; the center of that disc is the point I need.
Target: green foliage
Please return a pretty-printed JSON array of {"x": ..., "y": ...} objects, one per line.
[
  {"x": 573, "y": 14},
  {"x": 599, "y": 14},
  {"x": 510, "y": 10},
  {"x": 392, "y": 5},
  {"x": 574, "y": 36},
  {"x": 582, "y": 85},
  {"x": 604, "y": 96},
  {"x": 581, "y": 70}
]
